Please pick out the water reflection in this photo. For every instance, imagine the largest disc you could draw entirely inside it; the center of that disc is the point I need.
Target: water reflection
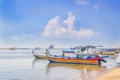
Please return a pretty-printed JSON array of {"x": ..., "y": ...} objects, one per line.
[
  {"x": 40, "y": 65},
  {"x": 86, "y": 72},
  {"x": 23, "y": 66},
  {"x": 56, "y": 71},
  {"x": 38, "y": 62},
  {"x": 75, "y": 66}
]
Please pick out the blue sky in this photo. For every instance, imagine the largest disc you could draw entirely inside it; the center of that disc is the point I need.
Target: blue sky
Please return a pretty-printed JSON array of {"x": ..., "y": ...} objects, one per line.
[{"x": 32, "y": 23}]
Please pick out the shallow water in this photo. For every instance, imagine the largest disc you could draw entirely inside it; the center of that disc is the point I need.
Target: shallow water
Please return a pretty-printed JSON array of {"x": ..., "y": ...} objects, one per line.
[{"x": 23, "y": 66}]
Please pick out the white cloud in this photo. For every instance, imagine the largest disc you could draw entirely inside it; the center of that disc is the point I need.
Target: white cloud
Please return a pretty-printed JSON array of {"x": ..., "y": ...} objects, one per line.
[
  {"x": 22, "y": 37},
  {"x": 82, "y": 2},
  {"x": 54, "y": 27},
  {"x": 23, "y": 40},
  {"x": 60, "y": 30},
  {"x": 57, "y": 27},
  {"x": 88, "y": 3},
  {"x": 83, "y": 33},
  {"x": 70, "y": 21}
]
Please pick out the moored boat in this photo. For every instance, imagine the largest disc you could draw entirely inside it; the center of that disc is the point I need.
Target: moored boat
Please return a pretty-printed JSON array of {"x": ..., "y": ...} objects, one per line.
[
  {"x": 38, "y": 54},
  {"x": 77, "y": 58},
  {"x": 41, "y": 56},
  {"x": 109, "y": 52},
  {"x": 93, "y": 61}
]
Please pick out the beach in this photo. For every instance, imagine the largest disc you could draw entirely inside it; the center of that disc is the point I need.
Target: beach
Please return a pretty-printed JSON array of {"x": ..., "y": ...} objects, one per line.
[{"x": 112, "y": 74}]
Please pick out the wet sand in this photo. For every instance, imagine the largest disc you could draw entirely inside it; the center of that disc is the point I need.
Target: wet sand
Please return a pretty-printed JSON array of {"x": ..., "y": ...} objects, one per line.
[{"x": 112, "y": 74}]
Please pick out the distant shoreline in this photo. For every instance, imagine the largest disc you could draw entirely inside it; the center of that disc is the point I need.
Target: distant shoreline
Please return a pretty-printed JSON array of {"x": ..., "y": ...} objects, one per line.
[{"x": 15, "y": 48}]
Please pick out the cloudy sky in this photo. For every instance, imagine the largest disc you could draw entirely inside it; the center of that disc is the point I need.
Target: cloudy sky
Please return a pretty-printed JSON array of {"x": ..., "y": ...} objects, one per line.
[{"x": 64, "y": 23}]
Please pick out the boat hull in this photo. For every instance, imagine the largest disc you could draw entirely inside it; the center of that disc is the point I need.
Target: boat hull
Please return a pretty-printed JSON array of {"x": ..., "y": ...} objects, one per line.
[
  {"x": 73, "y": 61},
  {"x": 40, "y": 56}
]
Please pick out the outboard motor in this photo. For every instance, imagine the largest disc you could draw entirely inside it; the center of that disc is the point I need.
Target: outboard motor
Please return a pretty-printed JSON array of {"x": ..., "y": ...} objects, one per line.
[{"x": 101, "y": 59}]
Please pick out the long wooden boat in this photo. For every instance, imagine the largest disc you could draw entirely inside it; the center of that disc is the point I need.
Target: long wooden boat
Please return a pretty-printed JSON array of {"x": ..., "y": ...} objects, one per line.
[
  {"x": 109, "y": 53},
  {"x": 41, "y": 56},
  {"x": 89, "y": 61},
  {"x": 93, "y": 61},
  {"x": 78, "y": 58}
]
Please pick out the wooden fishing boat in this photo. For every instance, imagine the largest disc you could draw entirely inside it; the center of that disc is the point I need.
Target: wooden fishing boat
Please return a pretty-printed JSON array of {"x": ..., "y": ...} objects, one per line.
[
  {"x": 38, "y": 54},
  {"x": 41, "y": 56},
  {"x": 109, "y": 52},
  {"x": 91, "y": 59}
]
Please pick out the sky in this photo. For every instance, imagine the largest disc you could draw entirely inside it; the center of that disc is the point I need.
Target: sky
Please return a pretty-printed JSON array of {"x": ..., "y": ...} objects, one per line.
[{"x": 63, "y": 23}]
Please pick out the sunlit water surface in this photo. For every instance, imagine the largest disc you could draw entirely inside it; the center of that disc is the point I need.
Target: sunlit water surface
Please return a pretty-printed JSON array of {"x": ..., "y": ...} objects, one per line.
[{"x": 21, "y": 65}]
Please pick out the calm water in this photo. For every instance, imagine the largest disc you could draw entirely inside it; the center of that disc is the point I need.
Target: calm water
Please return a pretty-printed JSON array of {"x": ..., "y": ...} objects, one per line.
[{"x": 21, "y": 65}]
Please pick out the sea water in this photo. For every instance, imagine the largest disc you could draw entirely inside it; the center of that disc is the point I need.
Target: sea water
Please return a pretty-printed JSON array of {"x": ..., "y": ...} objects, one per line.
[{"x": 21, "y": 65}]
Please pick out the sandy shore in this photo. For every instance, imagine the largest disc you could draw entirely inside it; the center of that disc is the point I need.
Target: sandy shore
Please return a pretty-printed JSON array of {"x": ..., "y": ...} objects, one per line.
[{"x": 113, "y": 74}]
